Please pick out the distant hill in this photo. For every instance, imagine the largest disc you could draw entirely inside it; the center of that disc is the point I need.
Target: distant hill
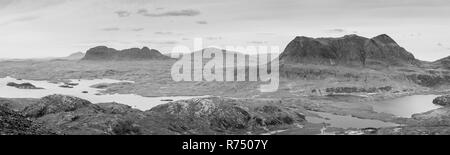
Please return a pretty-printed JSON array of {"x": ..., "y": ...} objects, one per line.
[
  {"x": 75, "y": 56},
  {"x": 110, "y": 54},
  {"x": 224, "y": 52},
  {"x": 350, "y": 50}
]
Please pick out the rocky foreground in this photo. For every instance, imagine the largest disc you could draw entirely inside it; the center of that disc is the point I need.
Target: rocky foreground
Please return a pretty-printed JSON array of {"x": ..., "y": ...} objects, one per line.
[
  {"x": 14, "y": 123},
  {"x": 67, "y": 115},
  {"x": 74, "y": 116}
]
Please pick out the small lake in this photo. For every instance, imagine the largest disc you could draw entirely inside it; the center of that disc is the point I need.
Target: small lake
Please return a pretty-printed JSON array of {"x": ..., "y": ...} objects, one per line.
[
  {"x": 407, "y": 106},
  {"x": 93, "y": 94},
  {"x": 347, "y": 122}
]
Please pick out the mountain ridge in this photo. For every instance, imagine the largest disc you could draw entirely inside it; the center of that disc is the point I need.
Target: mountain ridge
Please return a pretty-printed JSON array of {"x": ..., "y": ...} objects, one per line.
[{"x": 105, "y": 53}]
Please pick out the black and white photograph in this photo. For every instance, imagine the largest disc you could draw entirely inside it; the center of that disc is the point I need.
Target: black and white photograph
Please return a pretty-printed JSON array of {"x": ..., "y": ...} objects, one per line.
[{"x": 224, "y": 67}]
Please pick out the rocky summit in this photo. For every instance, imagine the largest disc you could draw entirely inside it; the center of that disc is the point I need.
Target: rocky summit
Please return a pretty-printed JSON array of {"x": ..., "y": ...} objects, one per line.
[
  {"x": 110, "y": 54},
  {"x": 350, "y": 50}
]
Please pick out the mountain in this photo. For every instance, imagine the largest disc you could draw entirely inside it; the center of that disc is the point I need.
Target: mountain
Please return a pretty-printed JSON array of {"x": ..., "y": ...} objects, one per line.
[
  {"x": 109, "y": 54},
  {"x": 75, "y": 56},
  {"x": 350, "y": 50},
  {"x": 250, "y": 58}
]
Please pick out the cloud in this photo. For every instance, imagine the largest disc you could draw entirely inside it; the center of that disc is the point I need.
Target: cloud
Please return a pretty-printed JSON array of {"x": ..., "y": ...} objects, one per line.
[
  {"x": 123, "y": 13},
  {"x": 5, "y": 3},
  {"x": 167, "y": 33},
  {"x": 178, "y": 13},
  {"x": 170, "y": 42},
  {"x": 257, "y": 42},
  {"x": 339, "y": 30},
  {"x": 213, "y": 38},
  {"x": 142, "y": 11},
  {"x": 20, "y": 19},
  {"x": 111, "y": 29},
  {"x": 202, "y": 22},
  {"x": 137, "y": 29},
  {"x": 266, "y": 33},
  {"x": 164, "y": 33},
  {"x": 441, "y": 45}
]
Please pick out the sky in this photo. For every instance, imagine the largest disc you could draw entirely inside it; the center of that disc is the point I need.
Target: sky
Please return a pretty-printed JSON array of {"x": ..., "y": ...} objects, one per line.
[{"x": 53, "y": 28}]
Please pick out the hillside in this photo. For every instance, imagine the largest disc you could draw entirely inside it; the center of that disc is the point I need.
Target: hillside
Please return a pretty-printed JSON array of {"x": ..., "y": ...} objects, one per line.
[{"x": 443, "y": 63}]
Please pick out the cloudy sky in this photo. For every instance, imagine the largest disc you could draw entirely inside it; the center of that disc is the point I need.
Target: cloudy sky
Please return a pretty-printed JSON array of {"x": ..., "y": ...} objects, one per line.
[{"x": 44, "y": 28}]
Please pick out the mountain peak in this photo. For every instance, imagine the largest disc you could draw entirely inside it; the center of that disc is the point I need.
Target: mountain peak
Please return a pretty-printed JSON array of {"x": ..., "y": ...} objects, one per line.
[
  {"x": 303, "y": 38},
  {"x": 385, "y": 39},
  {"x": 145, "y": 48},
  {"x": 352, "y": 50}
]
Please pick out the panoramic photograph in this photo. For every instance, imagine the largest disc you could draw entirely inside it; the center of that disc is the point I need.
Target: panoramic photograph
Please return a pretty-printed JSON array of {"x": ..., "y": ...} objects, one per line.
[{"x": 216, "y": 67}]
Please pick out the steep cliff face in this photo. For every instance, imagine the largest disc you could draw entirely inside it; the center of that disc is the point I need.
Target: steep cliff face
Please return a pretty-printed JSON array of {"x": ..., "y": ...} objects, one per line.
[
  {"x": 350, "y": 50},
  {"x": 110, "y": 54}
]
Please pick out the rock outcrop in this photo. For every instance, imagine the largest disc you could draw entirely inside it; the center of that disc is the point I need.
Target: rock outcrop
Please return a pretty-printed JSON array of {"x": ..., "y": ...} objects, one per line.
[
  {"x": 75, "y": 116},
  {"x": 350, "y": 50},
  {"x": 55, "y": 104},
  {"x": 219, "y": 116},
  {"x": 13, "y": 123},
  {"x": 23, "y": 85},
  {"x": 442, "y": 100},
  {"x": 109, "y": 54}
]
